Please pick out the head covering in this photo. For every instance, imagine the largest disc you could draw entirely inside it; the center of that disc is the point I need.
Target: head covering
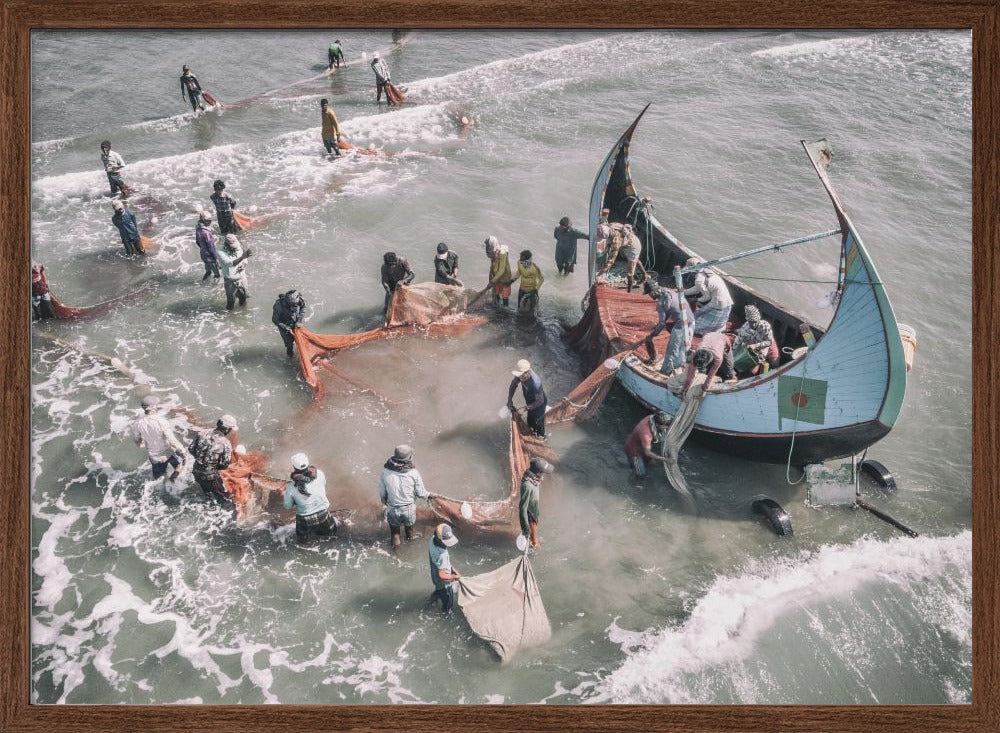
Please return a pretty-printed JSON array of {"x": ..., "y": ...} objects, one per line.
[
  {"x": 445, "y": 535},
  {"x": 492, "y": 245},
  {"x": 538, "y": 466},
  {"x": 605, "y": 213},
  {"x": 228, "y": 421},
  {"x": 389, "y": 258},
  {"x": 323, "y": 101},
  {"x": 300, "y": 461},
  {"x": 375, "y": 56},
  {"x": 442, "y": 248},
  {"x": 402, "y": 452},
  {"x": 117, "y": 205},
  {"x": 752, "y": 314},
  {"x": 661, "y": 418},
  {"x": 184, "y": 68},
  {"x": 105, "y": 144},
  {"x": 291, "y": 296},
  {"x": 36, "y": 271},
  {"x": 523, "y": 365},
  {"x": 150, "y": 401},
  {"x": 232, "y": 241},
  {"x": 205, "y": 216}
]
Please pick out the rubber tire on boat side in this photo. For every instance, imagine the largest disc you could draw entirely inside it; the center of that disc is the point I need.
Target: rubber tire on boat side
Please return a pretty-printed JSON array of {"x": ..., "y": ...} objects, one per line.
[
  {"x": 879, "y": 474},
  {"x": 776, "y": 517}
]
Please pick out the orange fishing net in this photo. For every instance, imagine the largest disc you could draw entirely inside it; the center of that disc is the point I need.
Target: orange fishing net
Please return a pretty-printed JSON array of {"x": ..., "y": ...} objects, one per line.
[{"x": 65, "y": 311}]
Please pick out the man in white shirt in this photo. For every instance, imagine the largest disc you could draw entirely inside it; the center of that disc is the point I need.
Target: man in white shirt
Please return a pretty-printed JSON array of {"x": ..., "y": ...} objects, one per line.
[
  {"x": 113, "y": 164},
  {"x": 714, "y": 300},
  {"x": 231, "y": 259},
  {"x": 152, "y": 432}
]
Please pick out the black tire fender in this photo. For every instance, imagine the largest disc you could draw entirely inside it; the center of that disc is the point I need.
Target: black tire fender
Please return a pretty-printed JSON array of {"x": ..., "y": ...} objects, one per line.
[{"x": 775, "y": 515}]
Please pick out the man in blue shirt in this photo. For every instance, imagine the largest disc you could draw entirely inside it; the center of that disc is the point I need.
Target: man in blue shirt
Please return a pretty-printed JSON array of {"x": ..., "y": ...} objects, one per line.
[
  {"x": 442, "y": 572},
  {"x": 672, "y": 307},
  {"x": 535, "y": 400},
  {"x": 128, "y": 228}
]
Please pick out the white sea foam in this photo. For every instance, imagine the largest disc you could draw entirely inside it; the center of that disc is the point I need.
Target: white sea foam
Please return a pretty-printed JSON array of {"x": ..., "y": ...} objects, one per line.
[{"x": 829, "y": 47}]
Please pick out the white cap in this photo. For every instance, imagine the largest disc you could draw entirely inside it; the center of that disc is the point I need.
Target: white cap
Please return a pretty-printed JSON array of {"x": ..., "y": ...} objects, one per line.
[
  {"x": 523, "y": 365},
  {"x": 444, "y": 533},
  {"x": 375, "y": 55},
  {"x": 232, "y": 239},
  {"x": 228, "y": 421},
  {"x": 300, "y": 461}
]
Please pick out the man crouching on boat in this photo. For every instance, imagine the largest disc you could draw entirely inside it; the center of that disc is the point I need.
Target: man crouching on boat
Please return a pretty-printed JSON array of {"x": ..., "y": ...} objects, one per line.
[{"x": 714, "y": 355}]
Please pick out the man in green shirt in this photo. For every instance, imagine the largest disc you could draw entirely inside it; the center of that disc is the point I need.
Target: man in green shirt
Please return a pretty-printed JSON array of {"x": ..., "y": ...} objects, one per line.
[
  {"x": 335, "y": 54},
  {"x": 528, "y": 505}
]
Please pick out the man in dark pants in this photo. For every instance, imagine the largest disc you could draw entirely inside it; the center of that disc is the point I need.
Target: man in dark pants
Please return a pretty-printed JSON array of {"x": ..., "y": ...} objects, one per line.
[
  {"x": 446, "y": 266},
  {"x": 395, "y": 270},
  {"x": 128, "y": 228},
  {"x": 288, "y": 312},
  {"x": 566, "y": 236},
  {"x": 231, "y": 259},
  {"x": 528, "y": 503},
  {"x": 225, "y": 209},
  {"x": 335, "y": 54},
  {"x": 443, "y": 573},
  {"x": 189, "y": 84},
  {"x": 535, "y": 400},
  {"x": 113, "y": 165},
  {"x": 212, "y": 453}
]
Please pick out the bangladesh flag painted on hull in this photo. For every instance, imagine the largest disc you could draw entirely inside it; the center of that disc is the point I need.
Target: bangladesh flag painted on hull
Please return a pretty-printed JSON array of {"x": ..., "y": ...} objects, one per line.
[{"x": 801, "y": 399}]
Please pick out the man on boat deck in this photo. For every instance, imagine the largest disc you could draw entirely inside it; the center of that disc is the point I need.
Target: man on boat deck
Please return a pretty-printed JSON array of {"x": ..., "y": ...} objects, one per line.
[
  {"x": 225, "y": 209},
  {"x": 713, "y": 357},
  {"x": 672, "y": 308},
  {"x": 381, "y": 78},
  {"x": 113, "y": 165},
  {"x": 41, "y": 297},
  {"x": 128, "y": 228},
  {"x": 307, "y": 493},
  {"x": 232, "y": 259},
  {"x": 395, "y": 270},
  {"x": 287, "y": 314},
  {"x": 443, "y": 573},
  {"x": 190, "y": 85},
  {"x": 335, "y": 54},
  {"x": 399, "y": 487},
  {"x": 566, "y": 237},
  {"x": 754, "y": 339},
  {"x": 622, "y": 238},
  {"x": 152, "y": 432},
  {"x": 639, "y": 444},
  {"x": 531, "y": 280},
  {"x": 500, "y": 275},
  {"x": 714, "y": 301},
  {"x": 212, "y": 453},
  {"x": 446, "y": 266},
  {"x": 331, "y": 129},
  {"x": 527, "y": 507},
  {"x": 204, "y": 237},
  {"x": 535, "y": 400}
]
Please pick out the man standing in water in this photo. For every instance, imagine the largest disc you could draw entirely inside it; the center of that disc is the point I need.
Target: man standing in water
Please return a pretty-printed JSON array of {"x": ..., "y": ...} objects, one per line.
[
  {"x": 288, "y": 312},
  {"x": 639, "y": 444},
  {"x": 395, "y": 271},
  {"x": 113, "y": 165},
  {"x": 531, "y": 279},
  {"x": 152, "y": 432},
  {"x": 204, "y": 237},
  {"x": 190, "y": 85},
  {"x": 446, "y": 266},
  {"x": 128, "y": 228},
  {"x": 527, "y": 508},
  {"x": 335, "y": 54},
  {"x": 231, "y": 260},
  {"x": 307, "y": 493},
  {"x": 381, "y": 78},
  {"x": 212, "y": 453},
  {"x": 443, "y": 574},
  {"x": 399, "y": 486},
  {"x": 225, "y": 209},
  {"x": 566, "y": 236},
  {"x": 535, "y": 400},
  {"x": 331, "y": 129},
  {"x": 500, "y": 275},
  {"x": 41, "y": 298}
]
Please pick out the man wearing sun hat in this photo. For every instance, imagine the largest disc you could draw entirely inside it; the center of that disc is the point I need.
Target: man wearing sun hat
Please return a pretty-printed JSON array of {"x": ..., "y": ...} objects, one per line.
[
  {"x": 443, "y": 574},
  {"x": 535, "y": 400},
  {"x": 212, "y": 453}
]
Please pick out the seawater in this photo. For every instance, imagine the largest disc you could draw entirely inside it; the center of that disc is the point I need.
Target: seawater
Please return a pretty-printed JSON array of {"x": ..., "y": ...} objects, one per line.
[{"x": 144, "y": 595}]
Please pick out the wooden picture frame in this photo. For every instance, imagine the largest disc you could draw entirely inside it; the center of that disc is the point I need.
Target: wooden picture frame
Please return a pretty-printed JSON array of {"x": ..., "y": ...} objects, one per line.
[{"x": 19, "y": 17}]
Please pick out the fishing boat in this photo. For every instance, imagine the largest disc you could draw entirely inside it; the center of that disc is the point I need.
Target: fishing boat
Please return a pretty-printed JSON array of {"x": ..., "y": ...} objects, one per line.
[{"x": 831, "y": 393}]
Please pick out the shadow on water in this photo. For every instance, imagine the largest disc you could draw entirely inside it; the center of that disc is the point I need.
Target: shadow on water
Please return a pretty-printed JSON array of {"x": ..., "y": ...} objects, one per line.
[
  {"x": 205, "y": 305},
  {"x": 352, "y": 320}
]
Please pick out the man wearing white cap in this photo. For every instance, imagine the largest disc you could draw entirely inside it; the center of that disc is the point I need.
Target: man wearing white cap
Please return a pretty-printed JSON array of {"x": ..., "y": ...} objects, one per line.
[
  {"x": 381, "y": 77},
  {"x": 399, "y": 487},
  {"x": 212, "y": 453},
  {"x": 232, "y": 259},
  {"x": 443, "y": 574},
  {"x": 307, "y": 493},
  {"x": 535, "y": 400},
  {"x": 152, "y": 432},
  {"x": 128, "y": 228}
]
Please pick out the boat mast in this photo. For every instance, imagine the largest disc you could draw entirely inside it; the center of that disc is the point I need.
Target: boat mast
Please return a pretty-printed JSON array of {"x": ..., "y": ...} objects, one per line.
[{"x": 760, "y": 250}]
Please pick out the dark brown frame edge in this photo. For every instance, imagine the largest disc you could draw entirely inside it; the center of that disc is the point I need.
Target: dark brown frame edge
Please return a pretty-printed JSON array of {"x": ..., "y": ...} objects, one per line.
[{"x": 20, "y": 16}]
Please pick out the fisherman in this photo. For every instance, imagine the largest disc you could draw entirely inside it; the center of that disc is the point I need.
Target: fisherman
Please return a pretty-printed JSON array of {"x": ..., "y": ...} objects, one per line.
[
  {"x": 190, "y": 85},
  {"x": 399, "y": 486},
  {"x": 331, "y": 129},
  {"x": 446, "y": 266},
  {"x": 225, "y": 209},
  {"x": 289, "y": 311},
  {"x": 152, "y": 432},
  {"x": 41, "y": 298},
  {"x": 535, "y": 400},
  {"x": 500, "y": 275},
  {"x": 128, "y": 228},
  {"x": 204, "y": 237},
  {"x": 603, "y": 230},
  {"x": 113, "y": 165},
  {"x": 381, "y": 78},
  {"x": 231, "y": 262},
  {"x": 443, "y": 573},
  {"x": 671, "y": 307},
  {"x": 622, "y": 238},
  {"x": 566, "y": 236},
  {"x": 714, "y": 356},
  {"x": 212, "y": 453},
  {"x": 639, "y": 444},
  {"x": 527, "y": 506},
  {"x": 714, "y": 301},
  {"x": 335, "y": 54},
  {"x": 531, "y": 280},
  {"x": 395, "y": 270},
  {"x": 307, "y": 493},
  {"x": 754, "y": 338}
]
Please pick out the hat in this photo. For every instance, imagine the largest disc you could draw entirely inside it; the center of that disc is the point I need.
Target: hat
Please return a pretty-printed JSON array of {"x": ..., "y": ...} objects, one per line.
[
  {"x": 117, "y": 205},
  {"x": 375, "y": 56},
  {"x": 442, "y": 248},
  {"x": 228, "y": 421},
  {"x": 150, "y": 401},
  {"x": 752, "y": 314},
  {"x": 539, "y": 466},
  {"x": 445, "y": 535},
  {"x": 300, "y": 461},
  {"x": 231, "y": 240},
  {"x": 184, "y": 68},
  {"x": 523, "y": 365},
  {"x": 105, "y": 143},
  {"x": 402, "y": 452},
  {"x": 205, "y": 215}
]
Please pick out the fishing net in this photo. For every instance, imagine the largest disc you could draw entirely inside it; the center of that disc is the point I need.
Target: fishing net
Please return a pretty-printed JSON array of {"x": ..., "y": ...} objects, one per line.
[
  {"x": 62, "y": 310},
  {"x": 504, "y": 608},
  {"x": 393, "y": 94},
  {"x": 615, "y": 321}
]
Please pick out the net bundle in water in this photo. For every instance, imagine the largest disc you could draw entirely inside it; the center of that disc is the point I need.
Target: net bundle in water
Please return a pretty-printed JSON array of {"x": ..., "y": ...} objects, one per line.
[{"x": 62, "y": 310}]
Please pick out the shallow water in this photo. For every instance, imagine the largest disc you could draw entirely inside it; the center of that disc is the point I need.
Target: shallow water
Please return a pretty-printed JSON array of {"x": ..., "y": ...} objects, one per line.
[{"x": 148, "y": 596}]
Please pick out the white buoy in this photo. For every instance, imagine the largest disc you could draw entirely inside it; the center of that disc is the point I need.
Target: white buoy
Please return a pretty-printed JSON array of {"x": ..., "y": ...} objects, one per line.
[
  {"x": 522, "y": 542},
  {"x": 611, "y": 364},
  {"x": 154, "y": 220},
  {"x": 241, "y": 449},
  {"x": 466, "y": 510},
  {"x": 504, "y": 413},
  {"x": 253, "y": 209}
]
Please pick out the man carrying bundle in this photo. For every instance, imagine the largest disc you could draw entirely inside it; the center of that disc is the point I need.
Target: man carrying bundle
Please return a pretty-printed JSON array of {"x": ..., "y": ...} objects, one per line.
[
  {"x": 331, "y": 129},
  {"x": 128, "y": 228},
  {"x": 307, "y": 493},
  {"x": 288, "y": 312}
]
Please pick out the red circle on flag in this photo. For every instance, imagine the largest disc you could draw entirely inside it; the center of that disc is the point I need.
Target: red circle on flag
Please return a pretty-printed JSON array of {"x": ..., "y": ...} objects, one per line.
[{"x": 799, "y": 399}]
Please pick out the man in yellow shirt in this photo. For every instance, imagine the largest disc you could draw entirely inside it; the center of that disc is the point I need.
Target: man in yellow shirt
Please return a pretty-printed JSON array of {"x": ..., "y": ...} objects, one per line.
[
  {"x": 331, "y": 129},
  {"x": 531, "y": 280}
]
